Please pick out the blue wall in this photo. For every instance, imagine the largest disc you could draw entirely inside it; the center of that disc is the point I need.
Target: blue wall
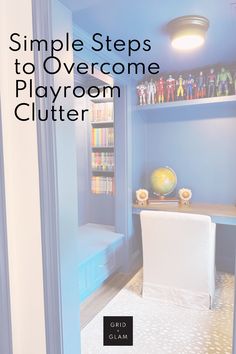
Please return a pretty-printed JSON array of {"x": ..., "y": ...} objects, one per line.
[
  {"x": 199, "y": 143},
  {"x": 83, "y": 179},
  {"x": 200, "y": 151},
  {"x": 67, "y": 199}
]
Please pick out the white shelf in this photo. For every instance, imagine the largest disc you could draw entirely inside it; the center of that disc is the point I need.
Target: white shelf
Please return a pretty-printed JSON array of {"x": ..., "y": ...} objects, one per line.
[
  {"x": 102, "y": 147},
  {"x": 104, "y": 122},
  {"x": 103, "y": 171},
  {"x": 187, "y": 103}
]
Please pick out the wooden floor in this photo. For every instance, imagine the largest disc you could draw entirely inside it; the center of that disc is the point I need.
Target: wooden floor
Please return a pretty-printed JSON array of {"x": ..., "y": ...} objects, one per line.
[{"x": 96, "y": 302}]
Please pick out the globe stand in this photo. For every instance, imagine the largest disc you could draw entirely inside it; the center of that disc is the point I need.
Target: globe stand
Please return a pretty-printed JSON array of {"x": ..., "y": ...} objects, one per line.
[{"x": 159, "y": 196}]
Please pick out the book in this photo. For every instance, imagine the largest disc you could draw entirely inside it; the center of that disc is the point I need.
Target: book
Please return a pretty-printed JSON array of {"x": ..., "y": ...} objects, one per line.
[{"x": 163, "y": 201}]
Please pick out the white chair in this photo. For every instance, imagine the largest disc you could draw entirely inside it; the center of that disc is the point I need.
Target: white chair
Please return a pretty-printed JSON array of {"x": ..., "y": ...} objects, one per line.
[{"x": 178, "y": 258}]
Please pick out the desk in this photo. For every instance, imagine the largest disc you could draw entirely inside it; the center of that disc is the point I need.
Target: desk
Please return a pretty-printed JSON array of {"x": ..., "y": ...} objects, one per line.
[{"x": 220, "y": 213}]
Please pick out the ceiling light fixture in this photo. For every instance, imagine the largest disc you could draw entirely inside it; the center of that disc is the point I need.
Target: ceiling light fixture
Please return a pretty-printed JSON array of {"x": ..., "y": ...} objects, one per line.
[{"x": 188, "y": 32}]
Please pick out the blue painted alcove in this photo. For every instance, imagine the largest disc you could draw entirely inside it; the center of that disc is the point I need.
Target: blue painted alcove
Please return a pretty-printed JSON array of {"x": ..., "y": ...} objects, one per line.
[{"x": 198, "y": 142}]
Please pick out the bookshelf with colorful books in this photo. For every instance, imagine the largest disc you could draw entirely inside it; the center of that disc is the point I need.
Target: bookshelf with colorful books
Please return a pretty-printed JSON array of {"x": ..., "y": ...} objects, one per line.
[
  {"x": 103, "y": 162},
  {"x": 103, "y": 137},
  {"x": 102, "y": 146},
  {"x": 102, "y": 112}
]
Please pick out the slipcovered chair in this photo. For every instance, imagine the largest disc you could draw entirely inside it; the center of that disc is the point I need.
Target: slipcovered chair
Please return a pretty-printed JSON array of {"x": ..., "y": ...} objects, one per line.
[{"x": 178, "y": 258}]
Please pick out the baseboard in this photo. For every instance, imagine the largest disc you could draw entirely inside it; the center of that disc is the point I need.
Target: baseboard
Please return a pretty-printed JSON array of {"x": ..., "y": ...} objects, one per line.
[{"x": 136, "y": 261}]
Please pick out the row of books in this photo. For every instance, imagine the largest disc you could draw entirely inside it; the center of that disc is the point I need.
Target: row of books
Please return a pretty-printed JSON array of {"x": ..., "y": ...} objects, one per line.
[
  {"x": 102, "y": 137},
  {"x": 102, "y": 185},
  {"x": 102, "y": 112},
  {"x": 102, "y": 161}
]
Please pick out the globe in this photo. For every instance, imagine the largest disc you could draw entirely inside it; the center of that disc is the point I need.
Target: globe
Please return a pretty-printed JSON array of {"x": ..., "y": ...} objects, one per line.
[{"x": 163, "y": 181}]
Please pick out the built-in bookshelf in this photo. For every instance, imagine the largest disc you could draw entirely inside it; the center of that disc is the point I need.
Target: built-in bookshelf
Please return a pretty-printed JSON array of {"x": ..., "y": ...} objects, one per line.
[
  {"x": 101, "y": 219},
  {"x": 102, "y": 146}
]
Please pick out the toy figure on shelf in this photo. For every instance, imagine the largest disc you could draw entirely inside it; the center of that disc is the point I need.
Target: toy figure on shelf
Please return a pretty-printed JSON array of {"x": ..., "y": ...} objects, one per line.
[
  {"x": 180, "y": 90},
  {"x": 151, "y": 91},
  {"x": 235, "y": 83},
  {"x": 170, "y": 87},
  {"x": 195, "y": 94},
  {"x": 201, "y": 86},
  {"x": 211, "y": 83},
  {"x": 189, "y": 87},
  {"x": 160, "y": 87},
  {"x": 146, "y": 91},
  {"x": 141, "y": 90},
  {"x": 223, "y": 79}
]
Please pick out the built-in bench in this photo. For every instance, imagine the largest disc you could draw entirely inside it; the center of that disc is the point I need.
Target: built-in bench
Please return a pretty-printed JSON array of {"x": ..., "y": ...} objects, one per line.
[{"x": 100, "y": 256}]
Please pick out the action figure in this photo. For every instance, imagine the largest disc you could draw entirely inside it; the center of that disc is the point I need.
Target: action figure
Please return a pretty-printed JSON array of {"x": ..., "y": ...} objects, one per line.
[
  {"x": 160, "y": 86},
  {"x": 180, "y": 91},
  {"x": 151, "y": 91},
  {"x": 141, "y": 90},
  {"x": 189, "y": 87},
  {"x": 211, "y": 83},
  {"x": 201, "y": 86},
  {"x": 146, "y": 92},
  {"x": 235, "y": 83},
  {"x": 223, "y": 79},
  {"x": 195, "y": 94},
  {"x": 170, "y": 86}
]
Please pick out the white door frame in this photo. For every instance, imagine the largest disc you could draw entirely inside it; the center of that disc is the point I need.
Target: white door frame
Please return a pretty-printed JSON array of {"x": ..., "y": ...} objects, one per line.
[
  {"x": 42, "y": 23},
  {"x": 5, "y": 309}
]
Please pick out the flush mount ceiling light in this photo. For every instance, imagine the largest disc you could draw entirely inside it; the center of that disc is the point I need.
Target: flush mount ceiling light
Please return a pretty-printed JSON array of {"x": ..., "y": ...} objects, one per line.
[{"x": 188, "y": 32}]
